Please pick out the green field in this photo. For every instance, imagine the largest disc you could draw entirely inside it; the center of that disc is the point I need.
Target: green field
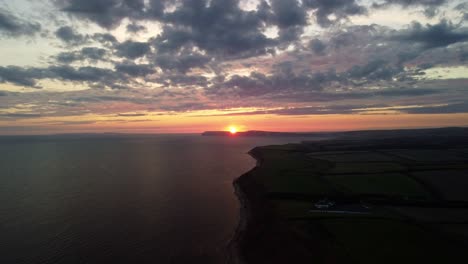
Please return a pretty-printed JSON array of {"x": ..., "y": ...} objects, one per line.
[
  {"x": 394, "y": 184},
  {"x": 387, "y": 241},
  {"x": 351, "y": 156},
  {"x": 366, "y": 167}
]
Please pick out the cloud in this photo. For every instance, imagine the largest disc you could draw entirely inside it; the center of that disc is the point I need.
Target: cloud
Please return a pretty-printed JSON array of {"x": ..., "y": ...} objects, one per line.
[
  {"x": 407, "y": 3},
  {"x": 108, "y": 98},
  {"x": 20, "y": 115},
  {"x": 257, "y": 84},
  {"x": 180, "y": 79},
  {"x": 432, "y": 36},
  {"x": 12, "y": 26},
  {"x": 87, "y": 53},
  {"x": 220, "y": 28},
  {"x": 68, "y": 35},
  {"x": 290, "y": 17},
  {"x": 355, "y": 109},
  {"x": 135, "y": 28},
  {"x": 81, "y": 74},
  {"x": 3, "y": 93},
  {"x": 110, "y": 13},
  {"x": 20, "y": 76},
  {"x": 374, "y": 70},
  {"x": 29, "y": 76},
  {"x": 105, "y": 38},
  {"x": 295, "y": 56},
  {"x": 134, "y": 70},
  {"x": 132, "y": 49},
  {"x": 317, "y": 46},
  {"x": 106, "y": 13},
  {"x": 340, "y": 9},
  {"x": 182, "y": 62}
]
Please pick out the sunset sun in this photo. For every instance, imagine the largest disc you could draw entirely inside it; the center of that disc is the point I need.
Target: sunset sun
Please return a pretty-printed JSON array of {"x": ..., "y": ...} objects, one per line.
[{"x": 232, "y": 130}]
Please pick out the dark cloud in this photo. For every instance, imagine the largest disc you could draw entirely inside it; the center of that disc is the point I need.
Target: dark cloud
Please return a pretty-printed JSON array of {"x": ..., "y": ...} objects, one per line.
[
  {"x": 3, "y": 93},
  {"x": 362, "y": 94},
  {"x": 375, "y": 70},
  {"x": 431, "y": 12},
  {"x": 11, "y": 25},
  {"x": 68, "y": 35},
  {"x": 132, "y": 49},
  {"x": 134, "y": 70},
  {"x": 20, "y": 115},
  {"x": 289, "y": 13},
  {"x": 110, "y": 13},
  {"x": 87, "y": 53},
  {"x": 105, "y": 38},
  {"x": 182, "y": 62},
  {"x": 431, "y": 7},
  {"x": 290, "y": 17},
  {"x": 93, "y": 53},
  {"x": 82, "y": 74},
  {"x": 258, "y": 84},
  {"x": 356, "y": 37},
  {"x": 29, "y": 76},
  {"x": 20, "y": 76},
  {"x": 108, "y": 98},
  {"x": 106, "y": 13},
  {"x": 220, "y": 28},
  {"x": 180, "y": 79},
  {"x": 406, "y": 3},
  {"x": 135, "y": 28},
  {"x": 317, "y": 46},
  {"x": 286, "y": 82},
  {"x": 341, "y": 9},
  {"x": 432, "y": 36},
  {"x": 405, "y": 92}
]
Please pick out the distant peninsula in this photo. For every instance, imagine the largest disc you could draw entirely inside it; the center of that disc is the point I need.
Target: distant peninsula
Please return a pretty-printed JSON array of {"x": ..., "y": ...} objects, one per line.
[
  {"x": 258, "y": 133},
  {"x": 358, "y": 134}
]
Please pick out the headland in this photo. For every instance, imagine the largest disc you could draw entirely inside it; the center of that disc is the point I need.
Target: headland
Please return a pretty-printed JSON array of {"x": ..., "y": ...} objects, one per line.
[{"x": 383, "y": 197}]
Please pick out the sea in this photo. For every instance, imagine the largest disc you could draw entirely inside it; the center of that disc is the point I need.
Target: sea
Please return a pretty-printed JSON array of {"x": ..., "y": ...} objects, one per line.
[{"x": 112, "y": 198}]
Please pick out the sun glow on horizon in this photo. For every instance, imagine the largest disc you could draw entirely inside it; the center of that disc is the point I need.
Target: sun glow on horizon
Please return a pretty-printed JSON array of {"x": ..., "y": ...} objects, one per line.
[{"x": 232, "y": 130}]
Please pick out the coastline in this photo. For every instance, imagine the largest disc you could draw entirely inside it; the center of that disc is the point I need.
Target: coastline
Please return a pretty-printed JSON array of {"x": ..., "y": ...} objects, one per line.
[
  {"x": 260, "y": 237},
  {"x": 245, "y": 216},
  {"x": 276, "y": 223}
]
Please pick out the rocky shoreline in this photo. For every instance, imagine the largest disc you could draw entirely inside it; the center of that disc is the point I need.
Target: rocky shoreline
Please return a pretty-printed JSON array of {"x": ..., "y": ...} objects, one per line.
[
  {"x": 240, "y": 184},
  {"x": 260, "y": 237}
]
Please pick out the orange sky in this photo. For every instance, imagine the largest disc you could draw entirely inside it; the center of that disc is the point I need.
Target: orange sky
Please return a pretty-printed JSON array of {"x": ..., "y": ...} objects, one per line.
[{"x": 197, "y": 124}]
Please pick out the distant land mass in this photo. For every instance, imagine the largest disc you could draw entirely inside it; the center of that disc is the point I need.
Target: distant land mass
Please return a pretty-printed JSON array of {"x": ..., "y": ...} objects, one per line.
[
  {"x": 257, "y": 133},
  {"x": 446, "y": 131}
]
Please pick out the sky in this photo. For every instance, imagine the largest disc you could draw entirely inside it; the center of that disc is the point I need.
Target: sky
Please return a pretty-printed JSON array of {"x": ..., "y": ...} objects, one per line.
[{"x": 186, "y": 66}]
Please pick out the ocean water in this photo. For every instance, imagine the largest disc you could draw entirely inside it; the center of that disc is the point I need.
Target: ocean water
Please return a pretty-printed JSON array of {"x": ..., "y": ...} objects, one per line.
[{"x": 120, "y": 199}]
